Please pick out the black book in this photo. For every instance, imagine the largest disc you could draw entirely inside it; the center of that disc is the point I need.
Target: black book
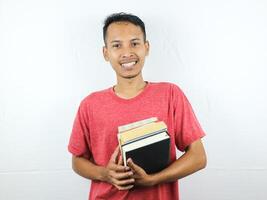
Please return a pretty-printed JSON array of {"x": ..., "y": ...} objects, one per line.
[{"x": 150, "y": 152}]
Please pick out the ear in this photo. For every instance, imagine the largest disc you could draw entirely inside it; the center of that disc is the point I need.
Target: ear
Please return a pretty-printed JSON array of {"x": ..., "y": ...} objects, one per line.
[
  {"x": 147, "y": 45},
  {"x": 105, "y": 53}
]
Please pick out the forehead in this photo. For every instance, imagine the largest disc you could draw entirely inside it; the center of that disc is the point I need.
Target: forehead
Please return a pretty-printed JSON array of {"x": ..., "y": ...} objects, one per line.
[{"x": 123, "y": 31}]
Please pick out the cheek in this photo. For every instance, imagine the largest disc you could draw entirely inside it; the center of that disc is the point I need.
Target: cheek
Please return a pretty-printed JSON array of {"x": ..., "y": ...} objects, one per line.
[
  {"x": 112, "y": 59},
  {"x": 142, "y": 53},
  {"x": 142, "y": 57}
]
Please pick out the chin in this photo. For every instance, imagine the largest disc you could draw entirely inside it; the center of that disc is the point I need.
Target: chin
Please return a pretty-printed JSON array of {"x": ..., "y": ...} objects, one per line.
[{"x": 130, "y": 76}]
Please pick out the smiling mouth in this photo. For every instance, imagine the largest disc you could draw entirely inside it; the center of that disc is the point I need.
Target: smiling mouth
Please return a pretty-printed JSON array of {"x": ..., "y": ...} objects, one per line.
[{"x": 128, "y": 65}]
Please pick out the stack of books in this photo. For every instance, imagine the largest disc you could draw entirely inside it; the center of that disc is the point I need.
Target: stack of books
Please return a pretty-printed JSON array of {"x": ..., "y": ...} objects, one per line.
[{"x": 147, "y": 143}]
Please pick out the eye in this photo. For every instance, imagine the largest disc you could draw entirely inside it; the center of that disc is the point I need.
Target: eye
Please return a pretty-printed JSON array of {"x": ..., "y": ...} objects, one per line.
[
  {"x": 134, "y": 44},
  {"x": 116, "y": 45}
]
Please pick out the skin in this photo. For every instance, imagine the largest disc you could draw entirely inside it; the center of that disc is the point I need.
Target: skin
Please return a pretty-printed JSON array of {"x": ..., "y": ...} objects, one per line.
[{"x": 125, "y": 44}]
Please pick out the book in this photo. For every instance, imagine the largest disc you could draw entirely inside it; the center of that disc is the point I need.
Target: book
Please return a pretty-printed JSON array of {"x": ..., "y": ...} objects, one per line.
[
  {"x": 136, "y": 124},
  {"x": 125, "y": 128},
  {"x": 146, "y": 143},
  {"x": 141, "y": 131}
]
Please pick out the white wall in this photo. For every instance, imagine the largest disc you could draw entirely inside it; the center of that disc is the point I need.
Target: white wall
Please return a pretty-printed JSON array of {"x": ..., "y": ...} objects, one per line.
[{"x": 50, "y": 58}]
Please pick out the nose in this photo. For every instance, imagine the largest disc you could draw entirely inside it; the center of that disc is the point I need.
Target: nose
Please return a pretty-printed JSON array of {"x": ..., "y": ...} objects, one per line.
[{"x": 127, "y": 53}]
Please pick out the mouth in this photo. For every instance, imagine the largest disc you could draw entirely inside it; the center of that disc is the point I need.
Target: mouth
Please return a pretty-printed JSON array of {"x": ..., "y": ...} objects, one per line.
[{"x": 128, "y": 65}]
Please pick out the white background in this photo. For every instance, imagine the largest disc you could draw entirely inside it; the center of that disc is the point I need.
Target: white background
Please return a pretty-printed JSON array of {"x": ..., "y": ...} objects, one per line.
[{"x": 51, "y": 58}]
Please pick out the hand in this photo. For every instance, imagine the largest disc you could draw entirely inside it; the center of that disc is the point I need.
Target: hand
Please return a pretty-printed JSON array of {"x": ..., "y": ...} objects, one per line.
[
  {"x": 118, "y": 175},
  {"x": 140, "y": 176}
]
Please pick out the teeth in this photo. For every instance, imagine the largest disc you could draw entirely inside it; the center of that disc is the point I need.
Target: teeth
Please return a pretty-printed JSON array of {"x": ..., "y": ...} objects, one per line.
[{"x": 128, "y": 64}]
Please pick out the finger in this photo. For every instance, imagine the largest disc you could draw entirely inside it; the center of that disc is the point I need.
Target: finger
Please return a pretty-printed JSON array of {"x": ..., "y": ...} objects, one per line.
[
  {"x": 120, "y": 160},
  {"x": 120, "y": 176},
  {"x": 123, "y": 182},
  {"x": 125, "y": 187},
  {"x": 116, "y": 168},
  {"x": 115, "y": 154},
  {"x": 133, "y": 166}
]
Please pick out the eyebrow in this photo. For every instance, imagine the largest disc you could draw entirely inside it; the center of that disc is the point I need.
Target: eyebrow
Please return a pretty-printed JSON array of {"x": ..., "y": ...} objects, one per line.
[
  {"x": 114, "y": 41},
  {"x": 134, "y": 39}
]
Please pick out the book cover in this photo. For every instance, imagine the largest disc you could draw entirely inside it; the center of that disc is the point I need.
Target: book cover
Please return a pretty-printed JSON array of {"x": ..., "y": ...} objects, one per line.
[{"x": 153, "y": 157}]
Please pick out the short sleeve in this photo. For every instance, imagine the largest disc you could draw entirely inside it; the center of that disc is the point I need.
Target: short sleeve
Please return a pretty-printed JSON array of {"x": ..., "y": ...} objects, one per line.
[
  {"x": 79, "y": 139},
  {"x": 187, "y": 127}
]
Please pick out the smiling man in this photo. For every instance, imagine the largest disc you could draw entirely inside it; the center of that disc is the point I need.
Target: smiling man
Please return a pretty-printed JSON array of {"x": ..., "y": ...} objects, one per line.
[
  {"x": 93, "y": 142},
  {"x": 126, "y": 48}
]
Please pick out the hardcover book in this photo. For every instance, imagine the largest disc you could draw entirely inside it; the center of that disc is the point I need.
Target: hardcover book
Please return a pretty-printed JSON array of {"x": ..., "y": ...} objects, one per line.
[{"x": 147, "y": 143}]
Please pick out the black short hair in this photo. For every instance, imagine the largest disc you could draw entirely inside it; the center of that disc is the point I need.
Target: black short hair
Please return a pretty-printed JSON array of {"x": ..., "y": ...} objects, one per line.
[{"x": 123, "y": 17}]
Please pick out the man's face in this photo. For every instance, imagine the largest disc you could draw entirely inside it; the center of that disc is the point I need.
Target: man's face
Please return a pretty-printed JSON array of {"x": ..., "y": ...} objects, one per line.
[{"x": 125, "y": 49}]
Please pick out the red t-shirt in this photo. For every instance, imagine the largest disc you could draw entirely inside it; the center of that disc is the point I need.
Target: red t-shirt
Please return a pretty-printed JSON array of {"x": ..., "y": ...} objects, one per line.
[{"x": 95, "y": 129}]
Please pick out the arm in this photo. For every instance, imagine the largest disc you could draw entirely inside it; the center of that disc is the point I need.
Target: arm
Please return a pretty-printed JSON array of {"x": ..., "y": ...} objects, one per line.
[
  {"x": 87, "y": 169},
  {"x": 114, "y": 173},
  {"x": 191, "y": 161}
]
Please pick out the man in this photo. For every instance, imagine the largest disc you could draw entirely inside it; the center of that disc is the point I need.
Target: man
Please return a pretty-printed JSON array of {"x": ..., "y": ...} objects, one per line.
[{"x": 93, "y": 141}]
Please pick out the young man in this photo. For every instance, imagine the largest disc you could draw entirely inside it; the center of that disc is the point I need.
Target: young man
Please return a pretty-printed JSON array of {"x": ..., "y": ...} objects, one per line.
[{"x": 93, "y": 141}]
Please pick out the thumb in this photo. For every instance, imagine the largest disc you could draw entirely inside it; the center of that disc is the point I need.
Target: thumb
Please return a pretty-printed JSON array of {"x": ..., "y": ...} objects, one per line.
[
  {"x": 120, "y": 160},
  {"x": 115, "y": 155},
  {"x": 133, "y": 166}
]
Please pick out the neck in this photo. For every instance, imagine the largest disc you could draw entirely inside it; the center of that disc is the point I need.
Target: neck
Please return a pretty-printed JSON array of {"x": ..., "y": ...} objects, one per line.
[{"x": 129, "y": 88}]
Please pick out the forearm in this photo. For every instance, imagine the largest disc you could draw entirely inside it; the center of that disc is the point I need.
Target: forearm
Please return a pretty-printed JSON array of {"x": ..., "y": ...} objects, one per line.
[
  {"x": 87, "y": 169},
  {"x": 114, "y": 173},
  {"x": 193, "y": 160}
]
